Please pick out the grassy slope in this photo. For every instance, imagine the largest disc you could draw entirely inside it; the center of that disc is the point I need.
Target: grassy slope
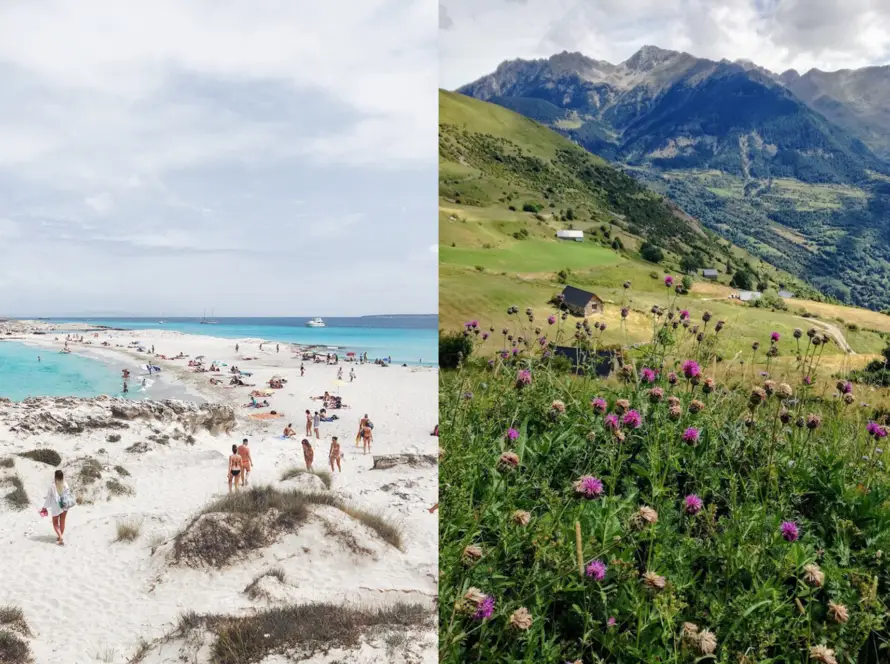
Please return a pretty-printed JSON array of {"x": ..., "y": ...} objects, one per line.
[{"x": 484, "y": 269}]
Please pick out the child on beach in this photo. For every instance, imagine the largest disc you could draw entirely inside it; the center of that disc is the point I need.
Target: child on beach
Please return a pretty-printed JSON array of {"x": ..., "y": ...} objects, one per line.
[
  {"x": 234, "y": 468},
  {"x": 308, "y": 454},
  {"x": 334, "y": 455},
  {"x": 58, "y": 501},
  {"x": 246, "y": 460},
  {"x": 308, "y": 423}
]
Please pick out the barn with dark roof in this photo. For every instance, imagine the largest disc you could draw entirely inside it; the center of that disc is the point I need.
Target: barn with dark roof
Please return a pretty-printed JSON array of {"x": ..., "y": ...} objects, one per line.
[{"x": 581, "y": 302}]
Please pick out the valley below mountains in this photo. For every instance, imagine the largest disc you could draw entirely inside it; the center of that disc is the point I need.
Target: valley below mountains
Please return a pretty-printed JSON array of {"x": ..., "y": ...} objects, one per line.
[{"x": 794, "y": 168}]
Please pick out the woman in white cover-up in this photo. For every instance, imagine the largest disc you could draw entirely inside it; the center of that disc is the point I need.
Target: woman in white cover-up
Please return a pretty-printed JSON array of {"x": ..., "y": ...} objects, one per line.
[{"x": 58, "y": 502}]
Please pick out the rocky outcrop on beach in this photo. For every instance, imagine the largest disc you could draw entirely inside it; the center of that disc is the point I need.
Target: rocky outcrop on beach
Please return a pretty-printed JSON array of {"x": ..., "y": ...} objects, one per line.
[
  {"x": 383, "y": 462},
  {"x": 72, "y": 415}
]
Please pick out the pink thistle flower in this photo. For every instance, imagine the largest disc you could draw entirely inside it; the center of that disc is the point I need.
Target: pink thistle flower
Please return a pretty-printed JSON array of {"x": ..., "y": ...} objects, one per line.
[
  {"x": 599, "y": 405},
  {"x": 774, "y": 337},
  {"x": 611, "y": 621},
  {"x": 668, "y": 281},
  {"x": 690, "y": 436},
  {"x": 672, "y": 378},
  {"x": 789, "y": 531},
  {"x": 611, "y": 421},
  {"x": 589, "y": 486},
  {"x": 523, "y": 378},
  {"x": 692, "y": 504},
  {"x": 647, "y": 375},
  {"x": 633, "y": 419},
  {"x": 551, "y": 319},
  {"x": 691, "y": 369},
  {"x": 512, "y": 434},
  {"x": 485, "y": 609},
  {"x": 597, "y": 570},
  {"x": 684, "y": 314}
]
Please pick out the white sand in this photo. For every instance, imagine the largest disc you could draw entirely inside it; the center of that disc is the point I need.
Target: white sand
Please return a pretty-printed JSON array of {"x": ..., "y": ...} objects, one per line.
[{"x": 94, "y": 600}]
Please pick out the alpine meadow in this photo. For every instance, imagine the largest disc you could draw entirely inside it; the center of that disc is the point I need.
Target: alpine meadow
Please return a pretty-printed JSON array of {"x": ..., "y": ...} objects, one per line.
[{"x": 664, "y": 339}]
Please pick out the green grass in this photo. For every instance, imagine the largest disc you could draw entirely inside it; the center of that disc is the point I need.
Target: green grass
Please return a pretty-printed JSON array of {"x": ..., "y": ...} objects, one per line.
[
  {"x": 532, "y": 256},
  {"x": 727, "y": 568}
]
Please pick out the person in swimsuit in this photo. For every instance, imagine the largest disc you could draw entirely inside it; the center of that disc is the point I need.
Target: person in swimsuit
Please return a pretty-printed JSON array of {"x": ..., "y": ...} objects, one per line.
[
  {"x": 53, "y": 505},
  {"x": 367, "y": 437},
  {"x": 308, "y": 423},
  {"x": 316, "y": 419},
  {"x": 302, "y": 370},
  {"x": 289, "y": 431},
  {"x": 246, "y": 460},
  {"x": 334, "y": 455},
  {"x": 308, "y": 454},
  {"x": 234, "y": 468}
]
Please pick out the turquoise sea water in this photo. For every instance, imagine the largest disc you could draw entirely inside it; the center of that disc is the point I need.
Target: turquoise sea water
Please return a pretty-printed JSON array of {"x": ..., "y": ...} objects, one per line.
[
  {"x": 55, "y": 375},
  {"x": 406, "y": 339}
]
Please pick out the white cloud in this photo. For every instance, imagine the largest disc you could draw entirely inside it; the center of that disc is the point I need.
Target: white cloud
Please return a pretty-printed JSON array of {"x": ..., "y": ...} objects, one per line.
[
  {"x": 100, "y": 203},
  {"x": 801, "y": 34}
]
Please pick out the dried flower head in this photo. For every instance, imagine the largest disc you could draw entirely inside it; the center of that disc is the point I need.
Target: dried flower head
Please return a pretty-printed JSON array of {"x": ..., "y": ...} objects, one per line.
[
  {"x": 757, "y": 397},
  {"x": 521, "y": 517},
  {"x": 838, "y": 612},
  {"x": 784, "y": 391},
  {"x": 558, "y": 406},
  {"x": 813, "y": 575},
  {"x": 690, "y": 631},
  {"x": 471, "y": 554},
  {"x": 813, "y": 421},
  {"x": 654, "y": 582},
  {"x": 822, "y": 654},
  {"x": 521, "y": 619},
  {"x": 696, "y": 406},
  {"x": 709, "y": 385},
  {"x": 622, "y": 406},
  {"x": 645, "y": 516},
  {"x": 509, "y": 461},
  {"x": 656, "y": 394},
  {"x": 675, "y": 412},
  {"x": 784, "y": 416},
  {"x": 707, "y": 642},
  {"x": 849, "y": 398},
  {"x": 769, "y": 387}
]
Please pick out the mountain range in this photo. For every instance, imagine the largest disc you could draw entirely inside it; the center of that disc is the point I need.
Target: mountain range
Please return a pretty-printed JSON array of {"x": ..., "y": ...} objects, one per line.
[{"x": 792, "y": 167}]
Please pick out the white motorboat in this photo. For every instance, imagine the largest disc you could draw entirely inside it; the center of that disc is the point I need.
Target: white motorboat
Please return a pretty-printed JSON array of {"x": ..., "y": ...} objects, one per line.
[{"x": 315, "y": 322}]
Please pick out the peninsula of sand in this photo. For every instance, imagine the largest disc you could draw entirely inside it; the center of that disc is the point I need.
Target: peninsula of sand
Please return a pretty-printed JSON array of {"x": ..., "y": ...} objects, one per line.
[{"x": 161, "y": 563}]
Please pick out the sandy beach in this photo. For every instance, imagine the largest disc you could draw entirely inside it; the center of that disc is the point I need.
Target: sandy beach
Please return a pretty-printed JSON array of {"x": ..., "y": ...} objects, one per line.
[{"x": 101, "y": 600}]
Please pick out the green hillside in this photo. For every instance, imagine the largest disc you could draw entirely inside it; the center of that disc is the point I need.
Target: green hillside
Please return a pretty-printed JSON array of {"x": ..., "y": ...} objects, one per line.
[{"x": 507, "y": 184}]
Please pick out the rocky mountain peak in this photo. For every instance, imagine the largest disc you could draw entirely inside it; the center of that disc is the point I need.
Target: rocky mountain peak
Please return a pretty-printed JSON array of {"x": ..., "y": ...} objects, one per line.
[{"x": 649, "y": 57}]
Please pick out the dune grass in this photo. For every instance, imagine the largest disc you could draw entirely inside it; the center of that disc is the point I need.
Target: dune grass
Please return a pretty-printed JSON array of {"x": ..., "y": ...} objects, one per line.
[
  {"x": 719, "y": 520},
  {"x": 252, "y": 519},
  {"x": 128, "y": 530},
  {"x": 300, "y": 630},
  {"x": 117, "y": 488},
  {"x": 18, "y": 497},
  {"x": 90, "y": 471},
  {"x": 253, "y": 590},
  {"x": 7, "y": 462},
  {"x": 13, "y": 626},
  {"x": 323, "y": 475},
  {"x": 43, "y": 455}
]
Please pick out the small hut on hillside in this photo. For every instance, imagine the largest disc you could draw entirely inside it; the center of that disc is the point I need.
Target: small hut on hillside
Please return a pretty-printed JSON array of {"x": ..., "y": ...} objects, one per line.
[{"x": 581, "y": 302}]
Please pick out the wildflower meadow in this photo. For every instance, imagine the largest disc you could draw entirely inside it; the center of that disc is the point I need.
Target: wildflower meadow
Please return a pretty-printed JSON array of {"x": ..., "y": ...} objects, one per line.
[{"x": 687, "y": 508}]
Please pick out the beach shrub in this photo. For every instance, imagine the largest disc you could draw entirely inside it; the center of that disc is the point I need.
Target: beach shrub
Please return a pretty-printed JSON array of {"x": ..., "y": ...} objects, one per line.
[
  {"x": 323, "y": 475},
  {"x": 7, "y": 462},
  {"x": 13, "y": 648},
  {"x": 18, "y": 497},
  {"x": 128, "y": 530},
  {"x": 300, "y": 631},
  {"x": 47, "y": 456},
  {"x": 722, "y": 518},
  {"x": 253, "y": 590},
  {"x": 117, "y": 488},
  {"x": 454, "y": 347}
]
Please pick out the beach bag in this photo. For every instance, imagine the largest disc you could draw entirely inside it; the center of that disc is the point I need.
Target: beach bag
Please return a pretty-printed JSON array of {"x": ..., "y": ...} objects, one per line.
[
  {"x": 370, "y": 425},
  {"x": 66, "y": 500}
]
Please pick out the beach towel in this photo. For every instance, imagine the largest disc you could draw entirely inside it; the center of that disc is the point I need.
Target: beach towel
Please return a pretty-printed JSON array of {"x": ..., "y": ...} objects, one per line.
[{"x": 265, "y": 416}]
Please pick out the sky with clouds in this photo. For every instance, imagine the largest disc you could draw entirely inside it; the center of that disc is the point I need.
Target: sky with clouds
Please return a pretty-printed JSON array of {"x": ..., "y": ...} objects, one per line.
[
  {"x": 271, "y": 157},
  {"x": 477, "y": 35}
]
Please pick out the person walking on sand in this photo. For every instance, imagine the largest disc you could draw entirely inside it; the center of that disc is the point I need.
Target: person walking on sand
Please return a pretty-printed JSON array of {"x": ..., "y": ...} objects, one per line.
[
  {"x": 308, "y": 423},
  {"x": 367, "y": 436},
  {"x": 315, "y": 422},
  {"x": 234, "y": 468},
  {"x": 246, "y": 460},
  {"x": 340, "y": 373},
  {"x": 58, "y": 501},
  {"x": 308, "y": 454},
  {"x": 335, "y": 455}
]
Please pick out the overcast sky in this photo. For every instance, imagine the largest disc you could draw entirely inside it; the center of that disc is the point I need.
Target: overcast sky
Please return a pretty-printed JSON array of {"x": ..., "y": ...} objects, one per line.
[
  {"x": 477, "y": 35},
  {"x": 270, "y": 157}
]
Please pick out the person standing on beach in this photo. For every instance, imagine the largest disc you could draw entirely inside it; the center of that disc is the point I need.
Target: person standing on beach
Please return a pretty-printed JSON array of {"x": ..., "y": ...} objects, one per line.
[
  {"x": 335, "y": 455},
  {"x": 236, "y": 348},
  {"x": 302, "y": 370},
  {"x": 340, "y": 373},
  {"x": 234, "y": 468},
  {"x": 58, "y": 501},
  {"x": 315, "y": 422},
  {"x": 367, "y": 436},
  {"x": 351, "y": 374},
  {"x": 308, "y": 454},
  {"x": 246, "y": 460},
  {"x": 276, "y": 348},
  {"x": 308, "y": 423}
]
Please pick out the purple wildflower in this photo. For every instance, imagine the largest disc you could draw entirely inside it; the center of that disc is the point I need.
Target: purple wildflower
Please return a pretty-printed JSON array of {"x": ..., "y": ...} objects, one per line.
[
  {"x": 633, "y": 419},
  {"x": 485, "y": 609},
  {"x": 524, "y": 377},
  {"x": 672, "y": 378},
  {"x": 691, "y": 369},
  {"x": 692, "y": 504},
  {"x": 599, "y": 405},
  {"x": 647, "y": 375},
  {"x": 597, "y": 570},
  {"x": 876, "y": 430},
  {"x": 551, "y": 319},
  {"x": 512, "y": 434},
  {"x": 611, "y": 621},
  {"x": 668, "y": 281},
  {"x": 807, "y": 380},
  {"x": 590, "y": 486},
  {"x": 789, "y": 531},
  {"x": 847, "y": 388},
  {"x": 484, "y": 336},
  {"x": 684, "y": 314},
  {"x": 774, "y": 337},
  {"x": 690, "y": 435},
  {"x": 611, "y": 421}
]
